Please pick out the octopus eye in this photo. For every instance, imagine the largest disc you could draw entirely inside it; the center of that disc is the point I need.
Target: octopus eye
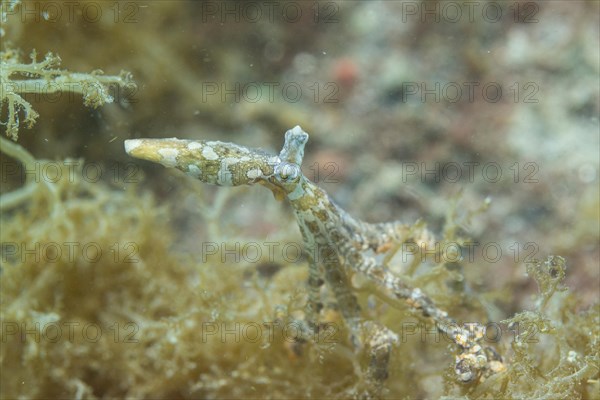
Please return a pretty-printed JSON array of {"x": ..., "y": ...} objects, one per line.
[{"x": 288, "y": 172}]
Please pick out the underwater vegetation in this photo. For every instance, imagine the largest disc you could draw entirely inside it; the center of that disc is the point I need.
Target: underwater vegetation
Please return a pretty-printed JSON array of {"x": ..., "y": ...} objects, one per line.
[
  {"x": 150, "y": 305},
  {"x": 144, "y": 283},
  {"x": 45, "y": 77},
  {"x": 336, "y": 245}
]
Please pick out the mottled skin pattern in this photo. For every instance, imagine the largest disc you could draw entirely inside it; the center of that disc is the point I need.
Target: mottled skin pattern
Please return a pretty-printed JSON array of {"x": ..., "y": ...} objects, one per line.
[{"x": 336, "y": 244}]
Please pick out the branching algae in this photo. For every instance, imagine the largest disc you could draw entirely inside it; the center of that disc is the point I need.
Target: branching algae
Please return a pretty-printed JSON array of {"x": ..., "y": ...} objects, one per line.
[
  {"x": 335, "y": 243},
  {"x": 45, "y": 77}
]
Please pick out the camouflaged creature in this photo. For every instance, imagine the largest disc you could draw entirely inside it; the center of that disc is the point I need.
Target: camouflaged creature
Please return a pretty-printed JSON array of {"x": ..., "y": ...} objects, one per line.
[{"x": 336, "y": 245}]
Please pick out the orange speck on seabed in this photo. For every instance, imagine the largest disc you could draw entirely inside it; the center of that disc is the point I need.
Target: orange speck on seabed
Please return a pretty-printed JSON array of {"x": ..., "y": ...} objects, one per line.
[{"x": 345, "y": 72}]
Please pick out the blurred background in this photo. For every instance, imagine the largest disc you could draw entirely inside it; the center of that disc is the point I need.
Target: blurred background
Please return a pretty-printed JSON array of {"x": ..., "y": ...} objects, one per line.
[
  {"x": 406, "y": 102},
  {"x": 414, "y": 110}
]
